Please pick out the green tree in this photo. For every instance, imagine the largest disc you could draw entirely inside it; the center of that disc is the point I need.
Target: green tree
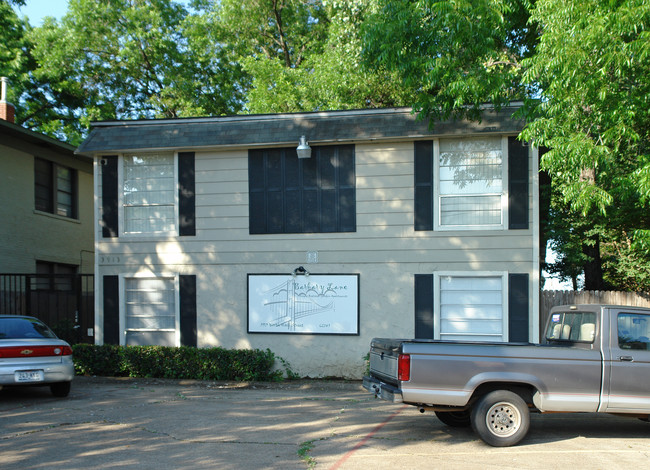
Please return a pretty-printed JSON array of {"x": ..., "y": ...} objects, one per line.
[
  {"x": 582, "y": 70},
  {"x": 36, "y": 103},
  {"x": 15, "y": 58},
  {"x": 305, "y": 55},
  {"x": 592, "y": 66},
  {"x": 286, "y": 30},
  {"x": 455, "y": 54},
  {"x": 140, "y": 59}
]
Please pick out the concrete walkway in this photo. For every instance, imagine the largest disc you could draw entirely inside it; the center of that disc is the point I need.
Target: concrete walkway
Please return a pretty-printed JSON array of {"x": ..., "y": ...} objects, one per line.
[{"x": 156, "y": 424}]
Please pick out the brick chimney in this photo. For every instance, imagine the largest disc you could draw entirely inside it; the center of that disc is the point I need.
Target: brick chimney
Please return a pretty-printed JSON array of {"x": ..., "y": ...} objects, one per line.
[{"x": 7, "y": 110}]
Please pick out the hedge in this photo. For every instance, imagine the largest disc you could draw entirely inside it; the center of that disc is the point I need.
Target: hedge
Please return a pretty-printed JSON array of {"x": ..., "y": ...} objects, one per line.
[{"x": 177, "y": 363}]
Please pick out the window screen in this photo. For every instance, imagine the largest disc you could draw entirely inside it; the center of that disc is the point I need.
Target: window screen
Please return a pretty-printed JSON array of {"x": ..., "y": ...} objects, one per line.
[
  {"x": 150, "y": 304},
  {"x": 470, "y": 181},
  {"x": 149, "y": 194},
  {"x": 471, "y": 308}
]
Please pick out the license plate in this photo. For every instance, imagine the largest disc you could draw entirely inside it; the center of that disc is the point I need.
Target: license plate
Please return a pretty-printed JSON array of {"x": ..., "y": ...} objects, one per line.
[{"x": 29, "y": 376}]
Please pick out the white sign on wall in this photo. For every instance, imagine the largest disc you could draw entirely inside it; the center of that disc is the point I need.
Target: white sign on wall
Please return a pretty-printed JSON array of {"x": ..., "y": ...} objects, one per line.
[{"x": 315, "y": 304}]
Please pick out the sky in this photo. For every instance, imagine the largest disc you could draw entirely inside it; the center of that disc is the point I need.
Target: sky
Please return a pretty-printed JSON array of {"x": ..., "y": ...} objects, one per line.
[{"x": 36, "y": 10}]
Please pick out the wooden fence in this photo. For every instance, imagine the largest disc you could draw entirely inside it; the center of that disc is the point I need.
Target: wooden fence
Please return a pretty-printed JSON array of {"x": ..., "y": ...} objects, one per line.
[{"x": 551, "y": 298}]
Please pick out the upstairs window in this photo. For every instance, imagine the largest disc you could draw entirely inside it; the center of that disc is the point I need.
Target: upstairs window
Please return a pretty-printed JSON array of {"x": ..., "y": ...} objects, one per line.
[
  {"x": 470, "y": 182},
  {"x": 149, "y": 193},
  {"x": 314, "y": 195},
  {"x": 55, "y": 188}
]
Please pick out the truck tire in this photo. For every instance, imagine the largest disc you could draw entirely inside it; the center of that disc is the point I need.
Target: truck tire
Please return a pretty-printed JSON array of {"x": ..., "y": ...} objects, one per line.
[
  {"x": 501, "y": 418},
  {"x": 455, "y": 419}
]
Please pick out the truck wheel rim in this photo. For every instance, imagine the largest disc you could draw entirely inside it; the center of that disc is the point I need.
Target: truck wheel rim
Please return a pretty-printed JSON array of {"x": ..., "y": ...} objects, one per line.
[{"x": 503, "y": 419}]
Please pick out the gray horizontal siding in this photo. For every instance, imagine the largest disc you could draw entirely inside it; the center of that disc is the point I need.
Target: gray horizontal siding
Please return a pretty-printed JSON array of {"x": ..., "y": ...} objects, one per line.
[{"x": 384, "y": 223}]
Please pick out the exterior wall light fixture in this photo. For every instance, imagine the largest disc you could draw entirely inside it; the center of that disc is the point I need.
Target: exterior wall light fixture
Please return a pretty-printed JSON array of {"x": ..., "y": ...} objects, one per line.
[
  {"x": 300, "y": 270},
  {"x": 303, "y": 149}
]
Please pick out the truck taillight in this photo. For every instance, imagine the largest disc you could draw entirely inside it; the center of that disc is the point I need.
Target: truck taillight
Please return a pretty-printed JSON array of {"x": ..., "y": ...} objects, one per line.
[{"x": 404, "y": 367}]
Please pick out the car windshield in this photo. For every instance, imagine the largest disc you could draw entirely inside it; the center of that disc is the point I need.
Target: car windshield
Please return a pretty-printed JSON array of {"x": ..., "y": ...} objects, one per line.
[{"x": 19, "y": 328}]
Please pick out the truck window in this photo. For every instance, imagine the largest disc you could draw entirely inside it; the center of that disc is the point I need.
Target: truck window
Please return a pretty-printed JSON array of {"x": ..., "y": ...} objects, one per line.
[
  {"x": 633, "y": 331},
  {"x": 572, "y": 327}
]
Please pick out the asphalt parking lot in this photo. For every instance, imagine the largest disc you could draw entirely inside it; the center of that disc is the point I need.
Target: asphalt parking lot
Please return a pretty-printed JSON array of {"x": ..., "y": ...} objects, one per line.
[{"x": 154, "y": 424}]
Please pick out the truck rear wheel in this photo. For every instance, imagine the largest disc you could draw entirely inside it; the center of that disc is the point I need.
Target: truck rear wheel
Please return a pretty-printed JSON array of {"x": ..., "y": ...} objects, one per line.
[
  {"x": 455, "y": 419},
  {"x": 501, "y": 418}
]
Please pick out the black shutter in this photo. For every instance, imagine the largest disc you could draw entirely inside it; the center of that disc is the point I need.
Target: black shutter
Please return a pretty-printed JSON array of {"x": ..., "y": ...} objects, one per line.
[
  {"x": 518, "y": 321},
  {"x": 111, "y": 310},
  {"x": 256, "y": 192},
  {"x": 314, "y": 195},
  {"x": 109, "y": 197},
  {"x": 518, "y": 168},
  {"x": 347, "y": 193},
  {"x": 423, "y": 185},
  {"x": 187, "y": 295},
  {"x": 186, "y": 194},
  {"x": 424, "y": 306}
]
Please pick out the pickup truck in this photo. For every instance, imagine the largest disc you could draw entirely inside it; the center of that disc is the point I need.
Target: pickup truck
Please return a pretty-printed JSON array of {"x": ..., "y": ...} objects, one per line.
[{"x": 595, "y": 358}]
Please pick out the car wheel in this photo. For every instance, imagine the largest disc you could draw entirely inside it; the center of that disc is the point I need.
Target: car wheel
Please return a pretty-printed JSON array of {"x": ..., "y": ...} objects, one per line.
[
  {"x": 60, "y": 389},
  {"x": 501, "y": 418},
  {"x": 455, "y": 419}
]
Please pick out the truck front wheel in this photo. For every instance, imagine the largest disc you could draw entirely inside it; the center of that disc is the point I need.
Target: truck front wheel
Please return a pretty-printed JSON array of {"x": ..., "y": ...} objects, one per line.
[{"x": 501, "y": 418}]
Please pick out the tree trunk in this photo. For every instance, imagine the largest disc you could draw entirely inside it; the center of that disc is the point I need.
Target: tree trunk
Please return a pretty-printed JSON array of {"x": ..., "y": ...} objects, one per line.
[{"x": 593, "y": 269}]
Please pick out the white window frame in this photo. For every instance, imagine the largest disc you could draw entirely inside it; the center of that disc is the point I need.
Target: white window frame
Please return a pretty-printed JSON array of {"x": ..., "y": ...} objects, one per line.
[
  {"x": 438, "y": 226},
  {"x": 122, "y": 278},
  {"x": 440, "y": 276},
  {"x": 121, "y": 198}
]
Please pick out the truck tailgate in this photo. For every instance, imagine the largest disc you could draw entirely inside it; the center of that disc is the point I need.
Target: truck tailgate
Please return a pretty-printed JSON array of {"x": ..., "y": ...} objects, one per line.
[{"x": 384, "y": 354}]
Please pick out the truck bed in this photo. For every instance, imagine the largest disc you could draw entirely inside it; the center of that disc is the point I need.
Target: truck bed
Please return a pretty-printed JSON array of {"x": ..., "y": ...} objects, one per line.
[{"x": 446, "y": 373}]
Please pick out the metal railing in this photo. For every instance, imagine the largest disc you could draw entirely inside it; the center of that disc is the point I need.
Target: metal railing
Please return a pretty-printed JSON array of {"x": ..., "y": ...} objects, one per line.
[{"x": 65, "y": 302}]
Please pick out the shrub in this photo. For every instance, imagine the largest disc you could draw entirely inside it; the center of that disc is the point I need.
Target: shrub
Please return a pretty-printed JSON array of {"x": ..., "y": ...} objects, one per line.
[{"x": 177, "y": 363}]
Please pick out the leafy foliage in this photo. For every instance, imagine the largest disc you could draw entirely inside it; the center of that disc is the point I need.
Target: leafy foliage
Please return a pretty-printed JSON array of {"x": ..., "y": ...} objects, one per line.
[
  {"x": 140, "y": 59},
  {"x": 161, "y": 59},
  {"x": 582, "y": 70},
  {"x": 307, "y": 57},
  {"x": 456, "y": 55},
  {"x": 40, "y": 104},
  {"x": 177, "y": 363},
  {"x": 593, "y": 67}
]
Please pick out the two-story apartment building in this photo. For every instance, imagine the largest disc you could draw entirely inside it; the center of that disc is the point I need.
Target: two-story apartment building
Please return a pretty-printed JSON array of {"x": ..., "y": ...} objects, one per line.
[
  {"x": 235, "y": 232},
  {"x": 46, "y": 228},
  {"x": 46, "y": 195}
]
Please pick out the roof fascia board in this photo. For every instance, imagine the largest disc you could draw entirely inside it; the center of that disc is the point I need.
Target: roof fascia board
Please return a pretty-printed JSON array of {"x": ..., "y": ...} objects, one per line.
[
  {"x": 19, "y": 131},
  {"x": 265, "y": 131},
  {"x": 255, "y": 117}
]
